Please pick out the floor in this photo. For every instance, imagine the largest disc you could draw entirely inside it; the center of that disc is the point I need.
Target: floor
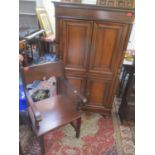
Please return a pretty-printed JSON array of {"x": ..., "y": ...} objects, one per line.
[{"x": 124, "y": 133}]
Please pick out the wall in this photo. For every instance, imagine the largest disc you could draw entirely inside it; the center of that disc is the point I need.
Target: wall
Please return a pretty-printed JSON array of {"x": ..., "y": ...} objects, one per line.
[{"x": 131, "y": 44}]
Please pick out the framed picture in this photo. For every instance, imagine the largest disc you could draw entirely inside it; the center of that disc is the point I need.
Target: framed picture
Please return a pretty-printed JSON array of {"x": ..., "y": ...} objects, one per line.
[{"x": 44, "y": 21}]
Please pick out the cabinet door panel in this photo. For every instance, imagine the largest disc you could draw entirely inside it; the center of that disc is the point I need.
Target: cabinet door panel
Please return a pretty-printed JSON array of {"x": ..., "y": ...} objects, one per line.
[
  {"x": 77, "y": 82},
  {"x": 105, "y": 47},
  {"x": 97, "y": 91},
  {"x": 76, "y": 43}
]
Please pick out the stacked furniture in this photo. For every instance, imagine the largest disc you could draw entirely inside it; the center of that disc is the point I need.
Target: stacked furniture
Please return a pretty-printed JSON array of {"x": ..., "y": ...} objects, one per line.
[
  {"x": 127, "y": 85},
  {"x": 91, "y": 42},
  {"x": 27, "y": 15}
]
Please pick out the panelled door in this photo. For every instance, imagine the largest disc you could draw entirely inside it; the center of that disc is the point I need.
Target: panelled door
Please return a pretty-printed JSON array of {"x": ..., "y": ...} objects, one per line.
[
  {"x": 77, "y": 82},
  {"x": 91, "y": 54},
  {"x": 97, "y": 91},
  {"x": 76, "y": 43},
  {"x": 105, "y": 48},
  {"x": 105, "y": 56}
]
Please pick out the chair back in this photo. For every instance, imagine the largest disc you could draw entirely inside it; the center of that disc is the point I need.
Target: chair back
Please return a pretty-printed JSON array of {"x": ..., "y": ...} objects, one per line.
[{"x": 37, "y": 72}]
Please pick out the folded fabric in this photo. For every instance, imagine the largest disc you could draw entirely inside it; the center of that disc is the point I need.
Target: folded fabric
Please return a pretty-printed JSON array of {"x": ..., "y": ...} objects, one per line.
[
  {"x": 40, "y": 90},
  {"x": 40, "y": 95}
]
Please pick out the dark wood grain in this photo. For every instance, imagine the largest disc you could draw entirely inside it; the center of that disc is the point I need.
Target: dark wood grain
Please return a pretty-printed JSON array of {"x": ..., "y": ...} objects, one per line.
[
  {"x": 56, "y": 111},
  {"x": 93, "y": 12},
  {"x": 97, "y": 91},
  {"x": 91, "y": 42},
  {"x": 76, "y": 40},
  {"x": 105, "y": 47},
  {"x": 38, "y": 72}
]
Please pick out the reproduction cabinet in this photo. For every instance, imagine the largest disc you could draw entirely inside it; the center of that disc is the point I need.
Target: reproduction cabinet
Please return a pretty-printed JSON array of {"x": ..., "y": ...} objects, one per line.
[{"x": 91, "y": 40}]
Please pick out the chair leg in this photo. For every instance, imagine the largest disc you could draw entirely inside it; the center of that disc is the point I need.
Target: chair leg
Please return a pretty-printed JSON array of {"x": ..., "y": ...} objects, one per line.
[
  {"x": 30, "y": 123},
  {"x": 78, "y": 125},
  {"x": 41, "y": 140},
  {"x": 20, "y": 149}
]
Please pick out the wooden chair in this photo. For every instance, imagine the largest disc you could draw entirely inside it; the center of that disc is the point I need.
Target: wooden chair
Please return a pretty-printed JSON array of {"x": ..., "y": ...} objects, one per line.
[{"x": 54, "y": 112}]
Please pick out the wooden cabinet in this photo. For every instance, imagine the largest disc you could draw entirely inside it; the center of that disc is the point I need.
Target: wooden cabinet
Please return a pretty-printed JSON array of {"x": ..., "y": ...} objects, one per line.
[{"x": 91, "y": 41}]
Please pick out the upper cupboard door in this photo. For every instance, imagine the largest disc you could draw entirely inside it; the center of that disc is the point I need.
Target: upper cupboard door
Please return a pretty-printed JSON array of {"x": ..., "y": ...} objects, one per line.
[
  {"x": 106, "y": 49},
  {"x": 76, "y": 43}
]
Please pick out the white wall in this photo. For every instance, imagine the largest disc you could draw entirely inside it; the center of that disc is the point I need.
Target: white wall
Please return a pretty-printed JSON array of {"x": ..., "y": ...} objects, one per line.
[{"x": 131, "y": 44}]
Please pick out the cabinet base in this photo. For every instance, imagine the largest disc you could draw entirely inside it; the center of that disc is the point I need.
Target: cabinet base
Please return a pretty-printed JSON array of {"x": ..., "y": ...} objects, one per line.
[{"x": 105, "y": 112}]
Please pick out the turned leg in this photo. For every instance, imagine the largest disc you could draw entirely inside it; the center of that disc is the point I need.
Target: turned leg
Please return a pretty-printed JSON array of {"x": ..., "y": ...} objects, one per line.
[
  {"x": 78, "y": 125},
  {"x": 41, "y": 140}
]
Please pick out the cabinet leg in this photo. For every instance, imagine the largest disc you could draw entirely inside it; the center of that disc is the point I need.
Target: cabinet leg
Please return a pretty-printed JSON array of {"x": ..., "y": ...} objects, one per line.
[
  {"x": 106, "y": 116},
  {"x": 78, "y": 125}
]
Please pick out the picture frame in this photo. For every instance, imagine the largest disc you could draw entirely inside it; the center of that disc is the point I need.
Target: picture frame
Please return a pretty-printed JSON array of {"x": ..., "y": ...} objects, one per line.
[{"x": 44, "y": 21}]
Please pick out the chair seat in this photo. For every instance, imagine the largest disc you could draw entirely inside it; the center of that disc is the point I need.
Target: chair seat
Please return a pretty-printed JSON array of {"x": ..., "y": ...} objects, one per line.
[{"x": 56, "y": 111}]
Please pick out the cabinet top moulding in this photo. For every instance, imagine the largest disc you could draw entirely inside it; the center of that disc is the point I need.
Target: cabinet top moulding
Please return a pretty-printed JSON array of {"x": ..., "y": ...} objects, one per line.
[{"x": 93, "y": 12}]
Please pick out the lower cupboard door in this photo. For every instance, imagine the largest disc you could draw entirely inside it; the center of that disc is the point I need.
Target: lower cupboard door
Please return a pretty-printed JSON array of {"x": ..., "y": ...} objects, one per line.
[{"x": 97, "y": 91}]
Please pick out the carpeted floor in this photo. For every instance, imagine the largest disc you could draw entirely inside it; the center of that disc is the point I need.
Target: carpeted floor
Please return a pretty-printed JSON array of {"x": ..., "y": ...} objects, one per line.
[
  {"x": 96, "y": 138},
  {"x": 124, "y": 133},
  {"x": 99, "y": 136}
]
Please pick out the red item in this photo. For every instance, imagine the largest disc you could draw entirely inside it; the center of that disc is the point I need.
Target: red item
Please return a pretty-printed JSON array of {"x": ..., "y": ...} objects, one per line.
[{"x": 129, "y": 14}]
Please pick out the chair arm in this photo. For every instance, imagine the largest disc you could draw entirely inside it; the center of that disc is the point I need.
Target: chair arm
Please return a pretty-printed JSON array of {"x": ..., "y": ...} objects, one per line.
[
  {"x": 36, "y": 112},
  {"x": 76, "y": 92}
]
